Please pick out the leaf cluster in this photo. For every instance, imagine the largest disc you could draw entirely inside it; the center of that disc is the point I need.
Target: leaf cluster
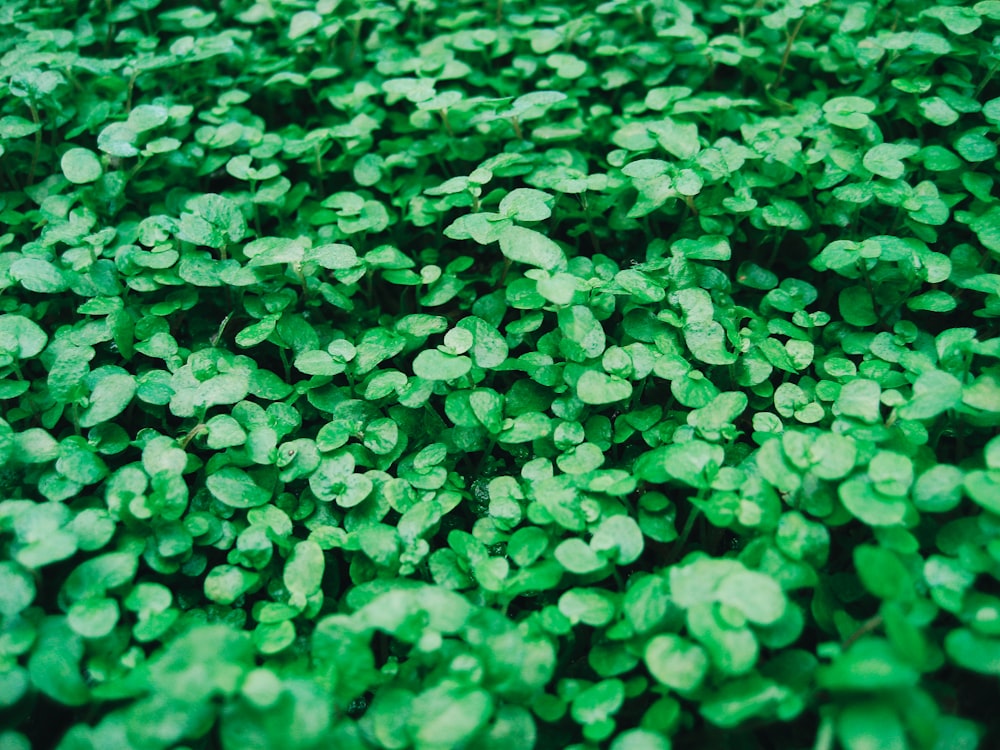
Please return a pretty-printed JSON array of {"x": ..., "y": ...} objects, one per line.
[{"x": 435, "y": 374}]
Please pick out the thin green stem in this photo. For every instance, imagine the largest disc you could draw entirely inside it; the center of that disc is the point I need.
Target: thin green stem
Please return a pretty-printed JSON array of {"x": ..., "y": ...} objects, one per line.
[
  {"x": 318, "y": 161},
  {"x": 183, "y": 442},
  {"x": 868, "y": 626},
  {"x": 515, "y": 123},
  {"x": 685, "y": 534},
  {"x": 824, "y": 735},
  {"x": 447, "y": 125},
  {"x": 131, "y": 90},
  {"x": 985, "y": 81},
  {"x": 37, "y": 151},
  {"x": 788, "y": 51}
]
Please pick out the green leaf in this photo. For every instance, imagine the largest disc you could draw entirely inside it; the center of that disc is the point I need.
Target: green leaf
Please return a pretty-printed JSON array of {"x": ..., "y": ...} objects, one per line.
[
  {"x": 707, "y": 341},
  {"x": 692, "y": 463},
  {"x": 224, "y": 432},
  {"x": 982, "y": 487},
  {"x": 317, "y": 362},
  {"x": 118, "y": 139},
  {"x": 848, "y": 111},
  {"x": 598, "y": 702},
  {"x": 860, "y": 496},
  {"x": 957, "y": 20},
  {"x": 596, "y": 387},
  {"x": 891, "y": 472},
  {"x": 207, "y": 660},
  {"x": 93, "y": 618},
  {"x": 233, "y": 487},
  {"x": 976, "y": 146},
  {"x": 939, "y": 489},
  {"x": 145, "y": 117},
  {"x": 857, "y": 307},
  {"x": 973, "y": 651},
  {"x": 12, "y": 127},
  {"x": 81, "y": 165},
  {"x": 934, "y": 392},
  {"x": 304, "y": 22},
  {"x": 677, "y": 139},
  {"x": 17, "y": 589},
  {"x": 592, "y": 607},
  {"x": 733, "y": 649},
  {"x": 720, "y": 412},
  {"x": 584, "y": 335},
  {"x": 870, "y": 726},
  {"x": 21, "y": 337},
  {"x": 676, "y": 662},
  {"x": 743, "y": 699},
  {"x": 224, "y": 584},
  {"x": 526, "y": 204},
  {"x": 304, "y": 571},
  {"x": 489, "y": 349},
  {"x": 833, "y": 455},
  {"x": 111, "y": 391},
  {"x": 785, "y": 213},
  {"x": 709, "y": 247},
  {"x": 578, "y": 557},
  {"x": 78, "y": 462},
  {"x": 559, "y": 288},
  {"x": 37, "y": 275},
  {"x": 640, "y": 739},
  {"x": 987, "y": 229},
  {"x": 621, "y": 537},
  {"x": 637, "y": 284},
  {"x": 938, "y": 111},
  {"x": 335, "y": 256},
  {"x": 431, "y": 364},
  {"x": 886, "y": 159},
  {"x": 882, "y": 573},
  {"x": 802, "y": 539},
  {"x": 484, "y": 228},
  {"x": 532, "y": 248},
  {"x": 448, "y": 714},
  {"x": 271, "y": 251},
  {"x": 646, "y": 602},
  {"x": 54, "y": 664},
  {"x": 860, "y": 399},
  {"x": 757, "y": 595}
]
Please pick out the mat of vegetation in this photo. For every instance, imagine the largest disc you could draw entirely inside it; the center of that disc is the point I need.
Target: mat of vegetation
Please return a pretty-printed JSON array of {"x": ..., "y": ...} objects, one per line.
[{"x": 442, "y": 374}]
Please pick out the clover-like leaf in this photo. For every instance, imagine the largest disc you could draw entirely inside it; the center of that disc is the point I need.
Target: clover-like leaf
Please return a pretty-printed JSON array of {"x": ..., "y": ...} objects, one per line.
[
  {"x": 81, "y": 165},
  {"x": 595, "y": 387},
  {"x": 234, "y": 487},
  {"x": 432, "y": 364},
  {"x": 676, "y": 662},
  {"x": 21, "y": 337},
  {"x": 532, "y": 248},
  {"x": 526, "y": 204}
]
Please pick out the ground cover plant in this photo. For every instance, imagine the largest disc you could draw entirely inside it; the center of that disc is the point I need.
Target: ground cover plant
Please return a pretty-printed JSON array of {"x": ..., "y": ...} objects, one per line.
[{"x": 479, "y": 374}]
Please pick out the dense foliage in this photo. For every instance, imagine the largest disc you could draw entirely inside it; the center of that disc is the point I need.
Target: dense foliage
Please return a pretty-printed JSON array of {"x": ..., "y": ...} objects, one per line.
[{"x": 477, "y": 374}]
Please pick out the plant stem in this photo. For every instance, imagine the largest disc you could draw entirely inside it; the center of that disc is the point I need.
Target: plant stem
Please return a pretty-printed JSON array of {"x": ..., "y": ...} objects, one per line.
[
  {"x": 986, "y": 79},
  {"x": 824, "y": 735},
  {"x": 444, "y": 121},
  {"x": 517, "y": 128},
  {"x": 37, "y": 152},
  {"x": 788, "y": 51},
  {"x": 183, "y": 442},
  {"x": 679, "y": 543},
  {"x": 869, "y": 625},
  {"x": 318, "y": 161}
]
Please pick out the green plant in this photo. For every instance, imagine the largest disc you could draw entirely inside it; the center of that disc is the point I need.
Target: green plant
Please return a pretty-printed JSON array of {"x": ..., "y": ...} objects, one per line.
[{"x": 474, "y": 375}]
